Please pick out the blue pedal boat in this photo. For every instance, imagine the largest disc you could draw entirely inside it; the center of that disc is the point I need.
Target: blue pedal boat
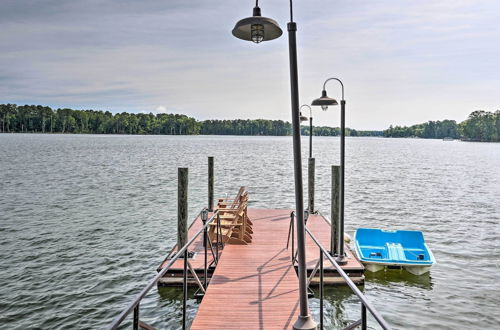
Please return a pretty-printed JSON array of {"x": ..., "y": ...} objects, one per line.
[{"x": 378, "y": 249}]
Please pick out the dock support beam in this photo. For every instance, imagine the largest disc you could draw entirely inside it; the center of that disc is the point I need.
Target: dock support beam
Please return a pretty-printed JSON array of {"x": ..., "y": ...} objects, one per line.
[
  {"x": 335, "y": 215},
  {"x": 311, "y": 178},
  {"x": 182, "y": 207},
  {"x": 210, "y": 184}
]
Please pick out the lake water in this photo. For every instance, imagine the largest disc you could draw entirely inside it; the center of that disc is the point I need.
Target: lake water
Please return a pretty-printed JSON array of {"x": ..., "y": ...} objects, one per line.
[{"x": 85, "y": 220}]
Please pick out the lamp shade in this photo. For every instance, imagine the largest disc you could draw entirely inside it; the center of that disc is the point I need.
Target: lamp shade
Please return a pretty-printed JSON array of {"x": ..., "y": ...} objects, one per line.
[
  {"x": 324, "y": 100},
  {"x": 302, "y": 117},
  {"x": 257, "y": 28}
]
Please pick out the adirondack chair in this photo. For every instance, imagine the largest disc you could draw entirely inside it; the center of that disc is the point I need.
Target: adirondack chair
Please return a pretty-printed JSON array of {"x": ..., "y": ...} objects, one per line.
[
  {"x": 243, "y": 229},
  {"x": 226, "y": 204},
  {"x": 234, "y": 223},
  {"x": 230, "y": 203}
]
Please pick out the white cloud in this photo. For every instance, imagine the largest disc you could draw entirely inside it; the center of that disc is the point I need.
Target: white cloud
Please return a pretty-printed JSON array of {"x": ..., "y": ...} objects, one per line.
[
  {"x": 161, "y": 109},
  {"x": 402, "y": 62}
]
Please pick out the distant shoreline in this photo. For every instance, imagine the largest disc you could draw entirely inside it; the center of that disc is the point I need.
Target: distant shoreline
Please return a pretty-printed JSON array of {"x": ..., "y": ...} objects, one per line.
[
  {"x": 125, "y": 134},
  {"x": 229, "y": 135},
  {"x": 480, "y": 126},
  {"x": 42, "y": 119}
]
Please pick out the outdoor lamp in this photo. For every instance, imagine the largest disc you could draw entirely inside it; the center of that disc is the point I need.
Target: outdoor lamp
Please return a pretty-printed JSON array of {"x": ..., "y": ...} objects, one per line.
[
  {"x": 324, "y": 101},
  {"x": 310, "y": 127},
  {"x": 257, "y": 28},
  {"x": 302, "y": 117},
  {"x": 204, "y": 215}
]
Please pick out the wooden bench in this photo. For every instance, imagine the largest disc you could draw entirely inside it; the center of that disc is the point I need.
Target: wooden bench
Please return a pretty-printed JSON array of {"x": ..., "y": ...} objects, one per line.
[{"x": 235, "y": 226}]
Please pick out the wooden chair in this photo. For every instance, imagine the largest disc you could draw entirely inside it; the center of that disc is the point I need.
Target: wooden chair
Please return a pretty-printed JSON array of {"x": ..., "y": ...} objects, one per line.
[
  {"x": 227, "y": 204},
  {"x": 235, "y": 225}
]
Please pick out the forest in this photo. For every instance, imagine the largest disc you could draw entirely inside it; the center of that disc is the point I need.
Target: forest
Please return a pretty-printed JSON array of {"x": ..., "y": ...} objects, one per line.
[
  {"x": 43, "y": 119},
  {"x": 481, "y": 126}
]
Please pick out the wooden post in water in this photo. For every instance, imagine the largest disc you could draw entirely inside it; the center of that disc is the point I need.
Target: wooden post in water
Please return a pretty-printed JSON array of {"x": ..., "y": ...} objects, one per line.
[
  {"x": 311, "y": 184},
  {"x": 335, "y": 216},
  {"x": 182, "y": 207},
  {"x": 210, "y": 184}
]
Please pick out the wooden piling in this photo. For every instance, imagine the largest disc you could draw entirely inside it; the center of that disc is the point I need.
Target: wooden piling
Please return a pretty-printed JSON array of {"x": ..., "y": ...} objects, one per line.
[
  {"x": 311, "y": 170},
  {"x": 182, "y": 207},
  {"x": 210, "y": 184},
  {"x": 335, "y": 202}
]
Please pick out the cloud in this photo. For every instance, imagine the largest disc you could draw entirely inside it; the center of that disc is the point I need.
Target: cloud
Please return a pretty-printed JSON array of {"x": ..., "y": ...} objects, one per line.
[
  {"x": 402, "y": 62},
  {"x": 161, "y": 109}
]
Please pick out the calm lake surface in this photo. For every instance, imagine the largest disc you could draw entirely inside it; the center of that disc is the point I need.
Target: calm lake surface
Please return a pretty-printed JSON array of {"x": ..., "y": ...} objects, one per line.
[{"x": 85, "y": 220}]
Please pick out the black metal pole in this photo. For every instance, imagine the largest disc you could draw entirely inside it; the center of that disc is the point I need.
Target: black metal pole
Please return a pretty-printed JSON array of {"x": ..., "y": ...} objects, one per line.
[
  {"x": 321, "y": 269},
  {"x": 204, "y": 218},
  {"x": 289, "y": 231},
  {"x": 217, "y": 238},
  {"x": 305, "y": 320},
  {"x": 335, "y": 215},
  {"x": 293, "y": 238},
  {"x": 184, "y": 291},
  {"x": 210, "y": 184},
  {"x": 341, "y": 258},
  {"x": 363, "y": 317},
  {"x": 310, "y": 135},
  {"x": 310, "y": 184},
  {"x": 135, "y": 324}
]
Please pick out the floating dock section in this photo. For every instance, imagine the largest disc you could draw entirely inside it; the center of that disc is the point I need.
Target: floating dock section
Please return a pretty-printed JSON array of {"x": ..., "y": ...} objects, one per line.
[{"x": 256, "y": 285}]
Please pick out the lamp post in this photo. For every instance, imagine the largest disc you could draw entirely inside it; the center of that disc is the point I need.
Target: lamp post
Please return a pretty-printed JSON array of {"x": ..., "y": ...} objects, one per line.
[
  {"x": 258, "y": 29},
  {"x": 310, "y": 129},
  {"x": 324, "y": 101},
  {"x": 311, "y": 167}
]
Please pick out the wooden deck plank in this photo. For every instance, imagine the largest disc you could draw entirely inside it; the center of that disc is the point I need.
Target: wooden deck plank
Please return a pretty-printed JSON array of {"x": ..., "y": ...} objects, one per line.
[
  {"x": 317, "y": 224},
  {"x": 255, "y": 285}
]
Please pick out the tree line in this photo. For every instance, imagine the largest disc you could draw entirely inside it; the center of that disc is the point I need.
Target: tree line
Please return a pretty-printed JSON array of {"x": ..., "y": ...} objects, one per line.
[
  {"x": 479, "y": 126},
  {"x": 335, "y": 131},
  {"x": 43, "y": 119}
]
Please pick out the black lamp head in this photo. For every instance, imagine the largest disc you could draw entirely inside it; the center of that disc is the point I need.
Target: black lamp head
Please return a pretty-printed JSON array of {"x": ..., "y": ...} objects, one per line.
[
  {"x": 324, "y": 101},
  {"x": 257, "y": 28},
  {"x": 302, "y": 117}
]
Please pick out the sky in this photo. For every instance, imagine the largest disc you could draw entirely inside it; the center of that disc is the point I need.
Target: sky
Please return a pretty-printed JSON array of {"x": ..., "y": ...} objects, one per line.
[{"x": 402, "y": 62}]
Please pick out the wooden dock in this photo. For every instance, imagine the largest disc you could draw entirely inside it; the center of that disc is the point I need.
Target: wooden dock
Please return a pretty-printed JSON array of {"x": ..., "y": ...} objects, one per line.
[
  {"x": 266, "y": 230},
  {"x": 255, "y": 285},
  {"x": 256, "y": 282}
]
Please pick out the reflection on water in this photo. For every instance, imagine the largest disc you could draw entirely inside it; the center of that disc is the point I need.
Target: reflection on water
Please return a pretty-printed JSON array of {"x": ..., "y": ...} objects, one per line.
[
  {"x": 400, "y": 276},
  {"x": 170, "y": 302},
  {"x": 342, "y": 307}
]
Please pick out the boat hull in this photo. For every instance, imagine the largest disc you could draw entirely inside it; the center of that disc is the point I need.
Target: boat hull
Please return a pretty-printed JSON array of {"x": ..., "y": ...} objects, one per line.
[
  {"x": 415, "y": 270},
  {"x": 379, "y": 249}
]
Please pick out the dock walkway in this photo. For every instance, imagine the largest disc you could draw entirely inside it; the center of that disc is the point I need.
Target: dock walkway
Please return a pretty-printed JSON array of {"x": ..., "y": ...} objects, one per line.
[{"x": 255, "y": 286}]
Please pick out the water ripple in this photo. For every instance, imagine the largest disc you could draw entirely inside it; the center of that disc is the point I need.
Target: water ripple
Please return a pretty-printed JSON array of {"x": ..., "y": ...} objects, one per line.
[{"x": 85, "y": 220}]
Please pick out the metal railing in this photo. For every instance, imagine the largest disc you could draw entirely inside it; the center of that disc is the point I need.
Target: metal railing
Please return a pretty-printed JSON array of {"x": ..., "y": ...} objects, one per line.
[
  {"x": 181, "y": 253},
  {"x": 324, "y": 253}
]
